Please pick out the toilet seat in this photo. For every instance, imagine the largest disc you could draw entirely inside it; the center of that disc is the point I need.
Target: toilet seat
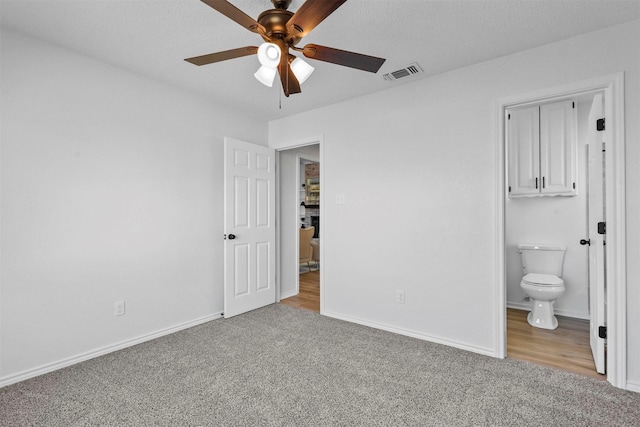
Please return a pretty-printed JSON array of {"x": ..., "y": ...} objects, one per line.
[{"x": 538, "y": 279}]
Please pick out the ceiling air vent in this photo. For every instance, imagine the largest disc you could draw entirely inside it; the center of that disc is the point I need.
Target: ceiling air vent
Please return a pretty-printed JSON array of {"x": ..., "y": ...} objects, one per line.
[{"x": 409, "y": 70}]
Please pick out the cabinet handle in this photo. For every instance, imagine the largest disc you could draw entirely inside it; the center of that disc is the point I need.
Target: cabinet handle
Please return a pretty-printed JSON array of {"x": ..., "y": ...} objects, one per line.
[
  {"x": 543, "y": 182},
  {"x": 536, "y": 182}
]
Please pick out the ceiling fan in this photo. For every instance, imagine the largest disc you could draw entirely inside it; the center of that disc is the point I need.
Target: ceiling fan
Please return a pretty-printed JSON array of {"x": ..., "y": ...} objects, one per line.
[{"x": 282, "y": 30}]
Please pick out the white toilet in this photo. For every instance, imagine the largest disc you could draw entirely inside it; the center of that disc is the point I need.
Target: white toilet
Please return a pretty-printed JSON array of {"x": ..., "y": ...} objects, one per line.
[{"x": 542, "y": 283}]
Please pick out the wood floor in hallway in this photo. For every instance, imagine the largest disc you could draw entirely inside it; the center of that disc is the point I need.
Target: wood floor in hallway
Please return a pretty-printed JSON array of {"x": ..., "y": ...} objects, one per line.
[
  {"x": 309, "y": 296},
  {"x": 566, "y": 347}
]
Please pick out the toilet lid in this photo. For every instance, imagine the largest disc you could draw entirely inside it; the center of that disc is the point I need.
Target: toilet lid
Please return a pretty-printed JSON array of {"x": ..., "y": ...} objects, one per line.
[{"x": 542, "y": 279}]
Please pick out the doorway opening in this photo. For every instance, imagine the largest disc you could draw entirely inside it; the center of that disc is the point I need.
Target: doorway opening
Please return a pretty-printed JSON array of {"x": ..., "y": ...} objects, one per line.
[
  {"x": 575, "y": 313},
  {"x": 300, "y": 230},
  {"x": 547, "y": 204}
]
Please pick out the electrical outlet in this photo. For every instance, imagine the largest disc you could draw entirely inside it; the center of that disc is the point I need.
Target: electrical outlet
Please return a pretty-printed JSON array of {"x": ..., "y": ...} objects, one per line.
[
  {"x": 119, "y": 308},
  {"x": 400, "y": 297},
  {"x": 340, "y": 199}
]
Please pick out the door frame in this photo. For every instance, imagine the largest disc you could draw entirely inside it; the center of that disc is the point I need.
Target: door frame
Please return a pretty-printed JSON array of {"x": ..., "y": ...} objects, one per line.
[
  {"x": 288, "y": 145},
  {"x": 612, "y": 86}
]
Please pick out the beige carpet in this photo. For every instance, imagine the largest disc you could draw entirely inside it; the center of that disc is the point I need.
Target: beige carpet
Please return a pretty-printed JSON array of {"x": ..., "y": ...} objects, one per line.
[{"x": 282, "y": 366}]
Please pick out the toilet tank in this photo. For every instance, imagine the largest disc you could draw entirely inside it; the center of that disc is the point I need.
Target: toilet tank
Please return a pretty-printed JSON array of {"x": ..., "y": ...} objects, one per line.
[{"x": 541, "y": 258}]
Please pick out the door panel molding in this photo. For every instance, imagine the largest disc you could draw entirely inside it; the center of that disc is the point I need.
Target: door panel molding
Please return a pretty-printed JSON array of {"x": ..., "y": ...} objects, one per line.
[{"x": 249, "y": 227}]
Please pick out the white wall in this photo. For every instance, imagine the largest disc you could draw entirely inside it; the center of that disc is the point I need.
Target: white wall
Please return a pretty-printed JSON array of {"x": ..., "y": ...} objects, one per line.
[
  {"x": 418, "y": 166},
  {"x": 554, "y": 220},
  {"x": 289, "y": 219},
  {"x": 111, "y": 190}
]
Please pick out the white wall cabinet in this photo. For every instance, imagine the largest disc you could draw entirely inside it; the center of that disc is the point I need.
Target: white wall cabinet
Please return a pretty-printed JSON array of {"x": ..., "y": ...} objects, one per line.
[{"x": 542, "y": 150}]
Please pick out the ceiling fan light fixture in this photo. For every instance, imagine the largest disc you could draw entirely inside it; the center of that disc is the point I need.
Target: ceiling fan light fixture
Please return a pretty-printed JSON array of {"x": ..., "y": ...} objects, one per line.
[
  {"x": 301, "y": 69},
  {"x": 269, "y": 55},
  {"x": 265, "y": 75}
]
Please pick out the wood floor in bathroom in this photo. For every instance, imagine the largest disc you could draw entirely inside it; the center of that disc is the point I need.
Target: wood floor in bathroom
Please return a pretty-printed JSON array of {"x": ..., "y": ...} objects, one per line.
[{"x": 565, "y": 348}]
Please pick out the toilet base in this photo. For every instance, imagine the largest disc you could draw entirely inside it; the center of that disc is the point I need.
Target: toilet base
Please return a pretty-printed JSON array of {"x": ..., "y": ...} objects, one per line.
[{"x": 541, "y": 315}]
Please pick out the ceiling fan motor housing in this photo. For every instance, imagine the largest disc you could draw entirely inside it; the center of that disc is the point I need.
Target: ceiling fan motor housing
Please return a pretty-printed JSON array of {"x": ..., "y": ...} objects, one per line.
[{"x": 275, "y": 23}]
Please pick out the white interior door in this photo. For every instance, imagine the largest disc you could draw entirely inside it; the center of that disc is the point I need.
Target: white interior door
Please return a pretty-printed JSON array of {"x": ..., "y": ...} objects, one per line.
[
  {"x": 597, "y": 302},
  {"x": 249, "y": 221}
]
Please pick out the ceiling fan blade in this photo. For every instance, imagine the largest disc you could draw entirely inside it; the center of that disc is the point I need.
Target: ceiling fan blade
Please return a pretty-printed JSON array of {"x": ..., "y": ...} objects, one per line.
[
  {"x": 290, "y": 83},
  {"x": 235, "y": 14},
  {"x": 223, "y": 56},
  {"x": 310, "y": 14},
  {"x": 343, "y": 57}
]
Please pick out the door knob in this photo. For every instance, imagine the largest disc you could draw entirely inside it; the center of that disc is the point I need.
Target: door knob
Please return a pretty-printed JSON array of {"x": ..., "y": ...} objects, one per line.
[
  {"x": 585, "y": 242},
  {"x": 230, "y": 236}
]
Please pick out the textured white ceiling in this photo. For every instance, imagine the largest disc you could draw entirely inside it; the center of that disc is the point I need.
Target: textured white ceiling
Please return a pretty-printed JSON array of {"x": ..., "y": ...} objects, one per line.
[{"x": 152, "y": 37}]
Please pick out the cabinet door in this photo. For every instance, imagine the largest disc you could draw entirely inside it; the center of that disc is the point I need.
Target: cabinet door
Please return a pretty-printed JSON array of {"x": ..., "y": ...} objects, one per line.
[
  {"x": 558, "y": 148},
  {"x": 523, "y": 135}
]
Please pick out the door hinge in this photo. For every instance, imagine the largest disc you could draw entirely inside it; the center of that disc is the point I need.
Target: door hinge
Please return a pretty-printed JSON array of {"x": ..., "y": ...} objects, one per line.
[
  {"x": 600, "y": 124},
  {"x": 509, "y": 189},
  {"x": 602, "y": 332},
  {"x": 602, "y": 228},
  {"x": 508, "y": 116},
  {"x": 573, "y": 105}
]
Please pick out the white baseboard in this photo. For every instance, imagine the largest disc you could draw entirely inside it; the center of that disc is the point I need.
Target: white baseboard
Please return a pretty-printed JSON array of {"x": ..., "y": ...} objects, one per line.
[
  {"x": 288, "y": 294},
  {"x": 560, "y": 312},
  {"x": 633, "y": 386},
  {"x": 54, "y": 366},
  {"x": 519, "y": 305},
  {"x": 413, "y": 334}
]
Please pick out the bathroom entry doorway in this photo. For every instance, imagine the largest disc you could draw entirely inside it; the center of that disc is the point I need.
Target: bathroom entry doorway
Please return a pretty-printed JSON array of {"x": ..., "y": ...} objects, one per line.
[
  {"x": 606, "y": 264},
  {"x": 551, "y": 135}
]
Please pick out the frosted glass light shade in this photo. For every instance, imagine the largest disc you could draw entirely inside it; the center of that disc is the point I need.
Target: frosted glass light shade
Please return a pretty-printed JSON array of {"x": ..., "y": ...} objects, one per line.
[
  {"x": 265, "y": 75},
  {"x": 301, "y": 70},
  {"x": 269, "y": 55}
]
